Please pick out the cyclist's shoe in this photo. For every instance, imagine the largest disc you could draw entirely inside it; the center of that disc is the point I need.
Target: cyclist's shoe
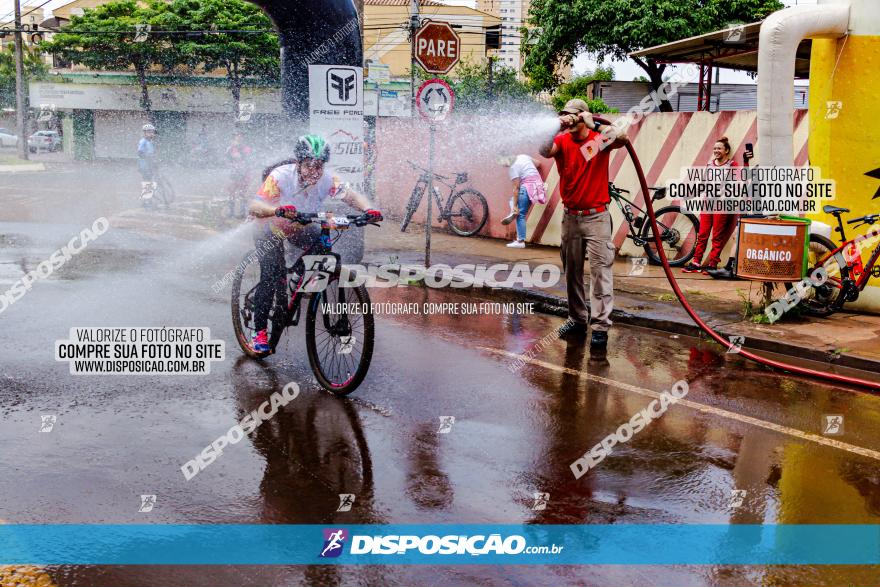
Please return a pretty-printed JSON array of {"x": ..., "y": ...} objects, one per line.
[
  {"x": 707, "y": 268},
  {"x": 509, "y": 218},
  {"x": 691, "y": 268},
  {"x": 516, "y": 245},
  {"x": 260, "y": 342}
]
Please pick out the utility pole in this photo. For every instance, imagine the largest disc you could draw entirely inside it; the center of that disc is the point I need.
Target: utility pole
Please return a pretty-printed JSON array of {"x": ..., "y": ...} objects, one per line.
[
  {"x": 413, "y": 27},
  {"x": 491, "y": 65},
  {"x": 20, "y": 104}
]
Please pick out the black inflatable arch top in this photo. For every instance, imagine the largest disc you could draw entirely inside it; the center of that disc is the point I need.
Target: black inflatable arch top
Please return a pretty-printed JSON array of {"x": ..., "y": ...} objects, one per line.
[{"x": 312, "y": 32}]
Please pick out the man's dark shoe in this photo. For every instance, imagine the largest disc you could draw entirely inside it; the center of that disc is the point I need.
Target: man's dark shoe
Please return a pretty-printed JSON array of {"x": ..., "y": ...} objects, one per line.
[
  {"x": 599, "y": 340},
  {"x": 723, "y": 273},
  {"x": 572, "y": 330}
]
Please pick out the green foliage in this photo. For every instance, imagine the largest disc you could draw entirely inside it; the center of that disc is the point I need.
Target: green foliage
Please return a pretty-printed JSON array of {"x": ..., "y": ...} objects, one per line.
[
  {"x": 578, "y": 88},
  {"x": 471, "y": 86},
  {"x": 103, "y": 38},
  {"x": 240, "y": 55},
  {"x": 34, "y": 69},
  {"x": 614, "y": 28}
]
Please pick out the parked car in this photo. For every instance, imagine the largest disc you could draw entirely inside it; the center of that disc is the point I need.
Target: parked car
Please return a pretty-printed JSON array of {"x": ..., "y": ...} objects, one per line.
[
  {"x": 8, "y": 138},
  {"x": 44, "y": 140}
]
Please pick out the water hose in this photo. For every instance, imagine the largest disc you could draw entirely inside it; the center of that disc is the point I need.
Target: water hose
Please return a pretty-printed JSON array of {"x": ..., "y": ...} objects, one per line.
[{"x": 855, "y": 381}]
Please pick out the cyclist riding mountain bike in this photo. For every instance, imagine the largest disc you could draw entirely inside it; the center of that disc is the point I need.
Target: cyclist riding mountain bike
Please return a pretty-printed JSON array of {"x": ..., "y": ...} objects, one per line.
[
  {"x": 300, "y": 186},
  {"x": 146, "y": 151}
]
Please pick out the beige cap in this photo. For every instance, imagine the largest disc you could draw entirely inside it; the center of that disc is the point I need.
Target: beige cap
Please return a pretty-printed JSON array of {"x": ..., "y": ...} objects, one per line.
[{"x": 575, "y": 106}]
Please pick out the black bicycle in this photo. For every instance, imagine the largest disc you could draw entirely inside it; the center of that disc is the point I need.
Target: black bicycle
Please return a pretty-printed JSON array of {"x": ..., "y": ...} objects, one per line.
[
  {"x": 678, "y": 230},
  {"x": 339, "y": 319},
  {"x": 466, "y": 210}
]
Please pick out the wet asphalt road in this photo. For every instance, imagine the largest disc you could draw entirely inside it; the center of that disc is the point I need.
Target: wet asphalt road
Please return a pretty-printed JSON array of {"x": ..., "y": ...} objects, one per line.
[{"x": 515, "y": 433}]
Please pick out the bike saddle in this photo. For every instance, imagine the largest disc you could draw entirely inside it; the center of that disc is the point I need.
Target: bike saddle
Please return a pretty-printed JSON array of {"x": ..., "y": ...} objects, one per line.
[{"x": 829, "y": 209}]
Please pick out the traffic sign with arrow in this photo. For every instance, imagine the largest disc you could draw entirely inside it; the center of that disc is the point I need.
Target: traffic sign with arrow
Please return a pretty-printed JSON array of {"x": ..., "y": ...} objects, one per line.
[{"x": 435, "y": 100}]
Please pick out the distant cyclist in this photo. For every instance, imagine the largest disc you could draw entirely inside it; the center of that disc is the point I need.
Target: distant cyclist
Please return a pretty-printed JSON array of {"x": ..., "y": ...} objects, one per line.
[
  {"x": 297, "y": 184},
  {"x": 147, "y": 153}
]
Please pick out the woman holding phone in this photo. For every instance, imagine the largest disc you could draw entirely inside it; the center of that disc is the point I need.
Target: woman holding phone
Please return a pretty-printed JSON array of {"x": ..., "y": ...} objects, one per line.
[{"x": 717, "y": 226}]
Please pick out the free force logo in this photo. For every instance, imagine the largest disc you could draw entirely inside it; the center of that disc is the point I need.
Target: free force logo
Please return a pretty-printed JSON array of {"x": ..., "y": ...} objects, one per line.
[
  {"x": 334, "y": 540},
  {"x": 341, "y": 90}
]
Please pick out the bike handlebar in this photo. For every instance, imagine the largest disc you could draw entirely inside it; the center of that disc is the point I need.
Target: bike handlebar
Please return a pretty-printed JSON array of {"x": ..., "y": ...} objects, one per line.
[
  {"x": 868, "y": 218},
  {"x": 356, "y": 219}
]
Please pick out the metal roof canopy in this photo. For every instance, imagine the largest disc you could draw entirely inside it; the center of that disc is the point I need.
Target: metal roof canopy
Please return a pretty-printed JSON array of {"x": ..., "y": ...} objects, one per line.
[{"x": 735, "y": 47}]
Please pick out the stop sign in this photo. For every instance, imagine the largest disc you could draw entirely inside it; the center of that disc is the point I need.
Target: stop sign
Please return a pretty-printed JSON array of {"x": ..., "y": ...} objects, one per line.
[{"x": 438, "y": 47}]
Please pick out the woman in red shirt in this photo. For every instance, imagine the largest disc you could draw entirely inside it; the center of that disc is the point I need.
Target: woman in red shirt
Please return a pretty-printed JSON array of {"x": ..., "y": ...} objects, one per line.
[{"x": 719, "y": 226}]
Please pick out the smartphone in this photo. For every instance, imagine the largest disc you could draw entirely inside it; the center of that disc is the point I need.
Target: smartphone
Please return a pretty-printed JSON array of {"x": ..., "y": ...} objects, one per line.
[{"x": 749, "y": 147}]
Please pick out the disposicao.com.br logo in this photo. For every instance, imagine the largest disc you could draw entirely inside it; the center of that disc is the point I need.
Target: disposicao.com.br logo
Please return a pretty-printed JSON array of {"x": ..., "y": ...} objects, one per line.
[{"x": 431, "y": 544}]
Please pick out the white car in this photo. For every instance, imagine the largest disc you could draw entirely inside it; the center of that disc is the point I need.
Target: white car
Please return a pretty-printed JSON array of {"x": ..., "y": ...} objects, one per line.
[
  {"x": 44, "y": 140},
  {"x": 8, "y": 138}
]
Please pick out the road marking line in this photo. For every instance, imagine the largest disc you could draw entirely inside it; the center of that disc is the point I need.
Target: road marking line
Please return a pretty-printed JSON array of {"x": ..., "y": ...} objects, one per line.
[{"x": 865, "y": 452}]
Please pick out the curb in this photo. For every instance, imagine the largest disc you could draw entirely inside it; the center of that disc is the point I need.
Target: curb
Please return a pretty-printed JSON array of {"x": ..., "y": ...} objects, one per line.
[
  {"x": 551, "y": 304},
  {"x": 23, "y": 167},
  {"x": 547, "y": 303}
]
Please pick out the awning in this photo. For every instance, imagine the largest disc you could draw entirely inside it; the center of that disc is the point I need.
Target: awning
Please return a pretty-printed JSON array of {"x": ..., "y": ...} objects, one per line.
[{"x": 731, "y": 48}]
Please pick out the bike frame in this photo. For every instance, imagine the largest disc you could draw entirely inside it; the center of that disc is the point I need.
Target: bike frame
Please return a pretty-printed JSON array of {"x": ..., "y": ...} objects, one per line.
[
  {"x": 849, "y": 267},
  {"x": 627, "y": 211},
  {"x": 425, "y": 179},
  {"x": 317, "y": 272}
]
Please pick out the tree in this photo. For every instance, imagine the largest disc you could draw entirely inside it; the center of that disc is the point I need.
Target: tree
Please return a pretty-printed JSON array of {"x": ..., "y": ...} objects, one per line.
[
  {"x": 240, "y": 55},
  {"x": 615, "y": 28},
  {"x": 578, "y": 88},
  {"x": 473, "y": 90},
  {"x": 104, "y": 38},
  {"x": 34, "y": 68}
]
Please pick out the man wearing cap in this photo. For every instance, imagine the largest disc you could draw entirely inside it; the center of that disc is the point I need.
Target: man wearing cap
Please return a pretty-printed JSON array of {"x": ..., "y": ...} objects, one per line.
[{"x": 582, "y": 151}]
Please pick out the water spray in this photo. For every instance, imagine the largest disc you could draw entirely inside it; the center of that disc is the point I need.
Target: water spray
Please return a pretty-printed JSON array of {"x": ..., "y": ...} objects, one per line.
[{"x": 873, "y": 385}]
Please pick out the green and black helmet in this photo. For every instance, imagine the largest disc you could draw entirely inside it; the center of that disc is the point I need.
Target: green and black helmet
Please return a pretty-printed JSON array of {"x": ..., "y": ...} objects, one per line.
[{"x": 312, "y": 147}]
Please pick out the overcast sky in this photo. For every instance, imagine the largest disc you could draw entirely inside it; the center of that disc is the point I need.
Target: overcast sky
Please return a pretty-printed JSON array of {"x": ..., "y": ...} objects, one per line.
[{"x": 624, "y": 70}]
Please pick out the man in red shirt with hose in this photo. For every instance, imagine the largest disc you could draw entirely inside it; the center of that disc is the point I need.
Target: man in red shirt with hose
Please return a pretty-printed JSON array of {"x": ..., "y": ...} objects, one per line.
[{"x": 582, "y": 154}]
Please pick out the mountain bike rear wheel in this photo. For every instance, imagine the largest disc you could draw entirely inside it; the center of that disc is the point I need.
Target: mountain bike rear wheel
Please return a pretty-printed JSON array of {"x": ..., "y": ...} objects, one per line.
[
  {"x": 678, "y": 232},
  {"x": 339, "y": 336},
  {"x": 467, "y": 212}
]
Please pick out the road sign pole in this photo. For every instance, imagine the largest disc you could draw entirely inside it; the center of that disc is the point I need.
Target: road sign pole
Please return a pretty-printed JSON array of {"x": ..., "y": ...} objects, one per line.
[
  {"x": 432, "y": 131},
  {"x": 413, "y": 29},
  {"x": 20, "y": 102}
]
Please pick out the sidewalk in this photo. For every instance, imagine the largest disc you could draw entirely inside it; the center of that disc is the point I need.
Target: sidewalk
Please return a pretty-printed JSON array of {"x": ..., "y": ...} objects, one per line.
[{"x": 844, "y": 339}]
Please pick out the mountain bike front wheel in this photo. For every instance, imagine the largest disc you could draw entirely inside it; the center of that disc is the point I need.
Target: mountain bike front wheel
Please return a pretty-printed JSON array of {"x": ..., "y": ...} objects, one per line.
[
  {"x": 467, "y": 212},
  {"x": 339, "y": 336},
  {"x": 164, "y": 191},
  {"x": 678, "y": 233}
]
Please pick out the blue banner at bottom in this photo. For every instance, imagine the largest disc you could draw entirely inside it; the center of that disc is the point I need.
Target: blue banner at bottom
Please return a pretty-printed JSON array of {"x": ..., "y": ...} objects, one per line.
[{"x": 439, "y": 544}]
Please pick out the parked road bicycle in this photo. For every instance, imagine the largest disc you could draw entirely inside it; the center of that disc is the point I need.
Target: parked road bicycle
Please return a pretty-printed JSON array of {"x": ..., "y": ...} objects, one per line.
[
  {"x": 157, "y": 192},
  {"x": 678, "y": 229},
  {"x": 339, "y": 320},
  {"x": 847, "y": 275},
  {"x": 465, "y": 211}
]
